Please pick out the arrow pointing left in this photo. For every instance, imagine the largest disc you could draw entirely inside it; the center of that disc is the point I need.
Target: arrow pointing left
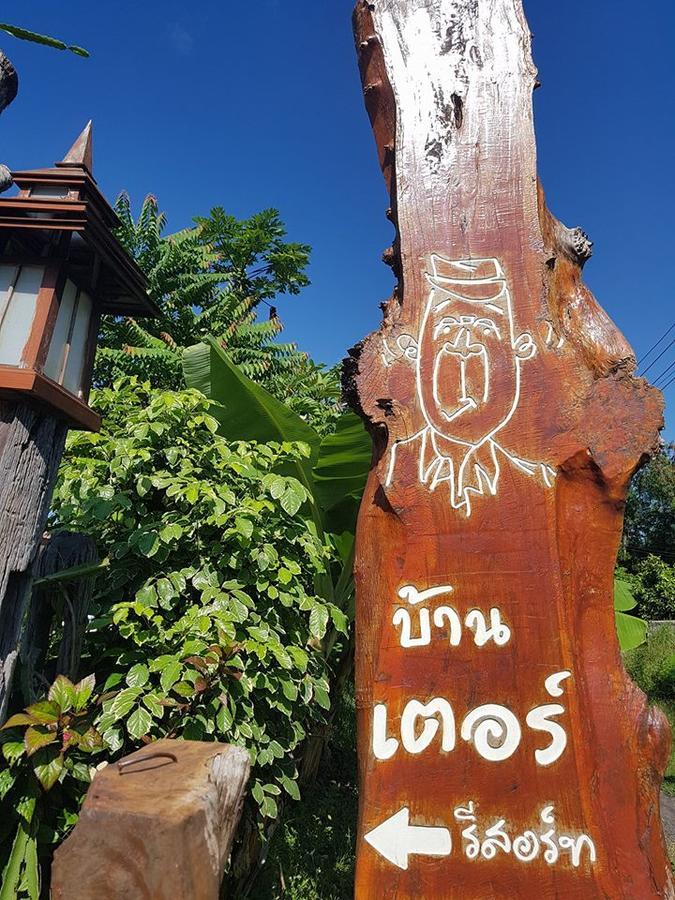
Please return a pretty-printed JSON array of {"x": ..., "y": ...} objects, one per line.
[{"x": 396, "y": 839}]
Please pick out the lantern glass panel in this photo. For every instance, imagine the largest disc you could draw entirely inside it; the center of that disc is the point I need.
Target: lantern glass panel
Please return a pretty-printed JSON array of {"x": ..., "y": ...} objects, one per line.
[
  {"x": 73, "y": 376},
  {"x": 56, "y": 358},
  {"x": 68, "y": 348},
  {"x": 55, "y": 191},
  {"x": 19, "y": 289}
]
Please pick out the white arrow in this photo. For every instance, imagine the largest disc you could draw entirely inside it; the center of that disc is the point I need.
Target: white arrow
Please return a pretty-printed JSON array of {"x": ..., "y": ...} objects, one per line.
[{"x": 396, "y": 839}]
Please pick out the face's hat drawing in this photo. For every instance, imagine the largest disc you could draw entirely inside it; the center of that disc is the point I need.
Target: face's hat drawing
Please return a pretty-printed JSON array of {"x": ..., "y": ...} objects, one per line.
[{"x": 479, "y": 281}]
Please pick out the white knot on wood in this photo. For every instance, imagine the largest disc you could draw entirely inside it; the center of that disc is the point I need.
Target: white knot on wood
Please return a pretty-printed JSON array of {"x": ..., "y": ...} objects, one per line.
[
  {"x": 9, "y": 82},
  {"x": 575, "y": 243}
]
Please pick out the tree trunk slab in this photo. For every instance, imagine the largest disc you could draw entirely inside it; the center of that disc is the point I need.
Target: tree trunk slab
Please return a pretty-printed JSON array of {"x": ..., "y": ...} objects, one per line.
[{"x": 503, "y": 750}]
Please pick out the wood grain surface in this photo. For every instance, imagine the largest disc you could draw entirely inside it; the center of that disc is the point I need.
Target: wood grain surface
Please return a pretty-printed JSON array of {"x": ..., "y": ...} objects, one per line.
[
  {"x": 160, "y": 827},
  {"x": 31, "y": 445},
  {"x": 515, "y": 760}
]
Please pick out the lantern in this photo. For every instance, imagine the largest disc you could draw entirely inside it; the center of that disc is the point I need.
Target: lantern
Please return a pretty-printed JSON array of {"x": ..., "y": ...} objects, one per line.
[{"x": 61, "y": 268}]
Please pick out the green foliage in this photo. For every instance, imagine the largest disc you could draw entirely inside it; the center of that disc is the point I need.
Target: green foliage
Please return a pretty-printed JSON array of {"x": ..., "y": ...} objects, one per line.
[
  {"x": 208, "y": 624},
  {"x": 210, "y": 279},
  {"x": 44, "y": 39},
  {"x": 47, "y": 752},
  {"x": 334, "y": 473},
  {"x": 652, "y": 667},
  {"x": 252, "y": 255},
  {"x": 311, "y": 391},
  {"x": 646, "y": 579},
  {"x": 653, "y": 584},
  {"x": 631, "y": 630},
  {"x": 245, "y": 410},
  {"x": 650, "y": 511},
  {"x": 312, "y": 853}
]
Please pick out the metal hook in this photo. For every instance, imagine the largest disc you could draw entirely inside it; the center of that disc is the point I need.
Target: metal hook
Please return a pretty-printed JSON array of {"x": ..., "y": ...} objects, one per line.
[{"x": 126, "y": 763}]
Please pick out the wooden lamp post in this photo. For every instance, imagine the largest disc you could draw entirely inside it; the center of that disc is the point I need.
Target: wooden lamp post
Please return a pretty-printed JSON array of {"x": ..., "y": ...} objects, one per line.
[{"x": 61, "y": 268}]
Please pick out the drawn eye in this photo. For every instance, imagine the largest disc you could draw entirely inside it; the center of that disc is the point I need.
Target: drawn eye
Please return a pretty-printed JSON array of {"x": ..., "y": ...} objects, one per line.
[
  {"x": 488, "y": 327},
  {"x": 444, "y": 328}
]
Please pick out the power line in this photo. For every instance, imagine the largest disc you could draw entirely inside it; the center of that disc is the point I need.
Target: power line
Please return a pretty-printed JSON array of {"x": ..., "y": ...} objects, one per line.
[
  {"x": 663, "y": 336},
  {"x": 669, "y": 383},
  {"x": 657, "y": 358},
  {"x": 658, "y": 378}
]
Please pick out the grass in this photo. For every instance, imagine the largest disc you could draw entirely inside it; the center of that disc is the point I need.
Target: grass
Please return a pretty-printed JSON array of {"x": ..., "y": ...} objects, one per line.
[
  {"x": 652, "y": 667},
  {"x": 312, "y": 854},
  {"x": 668, "y": 707}
]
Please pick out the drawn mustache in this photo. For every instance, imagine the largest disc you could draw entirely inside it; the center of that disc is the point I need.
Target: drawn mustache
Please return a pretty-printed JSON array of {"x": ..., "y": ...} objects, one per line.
[{"x": 461, "y": 379}]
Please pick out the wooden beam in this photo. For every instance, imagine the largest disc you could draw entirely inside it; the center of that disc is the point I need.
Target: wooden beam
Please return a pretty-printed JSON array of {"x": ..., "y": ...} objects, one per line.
[
  {"x": 159, "y": 824},
  {"x": 507, "y": 422}
]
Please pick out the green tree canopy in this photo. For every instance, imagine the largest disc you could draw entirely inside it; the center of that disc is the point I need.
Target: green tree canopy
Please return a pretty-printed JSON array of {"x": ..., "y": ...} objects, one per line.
[
  {"x": 212, "y": 278},
  {"x": 650, "y": 511}
]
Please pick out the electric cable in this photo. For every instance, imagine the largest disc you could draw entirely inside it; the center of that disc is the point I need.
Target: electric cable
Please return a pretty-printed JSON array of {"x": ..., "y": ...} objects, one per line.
[
  {"x": 656, "y": 359},
  {"x": 664, "y": 335},
  {"x": 658, "y": 378}
]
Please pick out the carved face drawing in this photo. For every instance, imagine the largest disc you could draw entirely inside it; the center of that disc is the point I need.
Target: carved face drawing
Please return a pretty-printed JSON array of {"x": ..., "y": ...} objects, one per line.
[{"x": 468, "y": 358}]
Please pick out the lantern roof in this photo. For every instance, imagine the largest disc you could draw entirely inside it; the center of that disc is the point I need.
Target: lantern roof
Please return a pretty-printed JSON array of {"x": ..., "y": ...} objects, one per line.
[
  {"x": 80, "y": 155},
  {"x": 60, "y": 212}
]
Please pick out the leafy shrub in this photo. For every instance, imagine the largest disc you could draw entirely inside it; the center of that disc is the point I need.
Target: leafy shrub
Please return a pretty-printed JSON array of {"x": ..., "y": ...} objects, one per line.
[
  {"x": 312, "y": 855},
  {"x": 47, "y": 752},
  {"x": 654, "y": 588},
  {"x": 207, "y": 614},
  {"x": 652, "y": 666}
]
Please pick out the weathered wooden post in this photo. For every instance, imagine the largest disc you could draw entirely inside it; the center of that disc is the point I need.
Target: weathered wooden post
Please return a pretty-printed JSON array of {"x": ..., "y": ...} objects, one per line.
[
  {"x": 64, "y": 550},
  {"x": 61, "y": 267},
  {"x": 504, "y": 752},
  {"x": 159, "y": 824}
]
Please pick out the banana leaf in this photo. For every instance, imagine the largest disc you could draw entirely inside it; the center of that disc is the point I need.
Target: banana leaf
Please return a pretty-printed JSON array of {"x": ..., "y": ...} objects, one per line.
[
  {"x": 631, "y": 631},
  {"x": 623, "y": 596},
  {"x": 335, "y": 473},
  {"x": 340, "y": 472},
  {"x": 245, "y": 410}
]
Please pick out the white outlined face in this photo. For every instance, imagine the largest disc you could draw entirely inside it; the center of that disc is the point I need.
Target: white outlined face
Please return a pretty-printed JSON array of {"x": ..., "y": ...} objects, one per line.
[{"x": 468, "y": 359}]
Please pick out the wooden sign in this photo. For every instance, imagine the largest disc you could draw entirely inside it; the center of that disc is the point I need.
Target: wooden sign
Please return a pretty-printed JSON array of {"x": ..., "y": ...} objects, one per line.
[{"x": 504, "y": 752}]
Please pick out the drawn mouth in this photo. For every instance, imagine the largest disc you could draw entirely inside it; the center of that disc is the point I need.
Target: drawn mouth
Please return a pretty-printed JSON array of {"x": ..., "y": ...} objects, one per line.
[
  {"x": 467, "y": 404},
  {"x": 461, "y": 382}
]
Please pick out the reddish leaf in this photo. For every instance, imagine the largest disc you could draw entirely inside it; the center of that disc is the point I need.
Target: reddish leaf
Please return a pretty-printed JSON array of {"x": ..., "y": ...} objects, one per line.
[
  {"x": 38, "y": 737},
  {"x": 20, "y": 719},
  {"x": 197, "y": 662},
  {"x": 44, "y": 711},
  {"x": 88, "y": 741}
]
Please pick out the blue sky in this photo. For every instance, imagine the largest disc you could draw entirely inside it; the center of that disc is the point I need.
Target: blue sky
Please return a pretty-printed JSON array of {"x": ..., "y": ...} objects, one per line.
[{"x": 257, "y": 104}]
